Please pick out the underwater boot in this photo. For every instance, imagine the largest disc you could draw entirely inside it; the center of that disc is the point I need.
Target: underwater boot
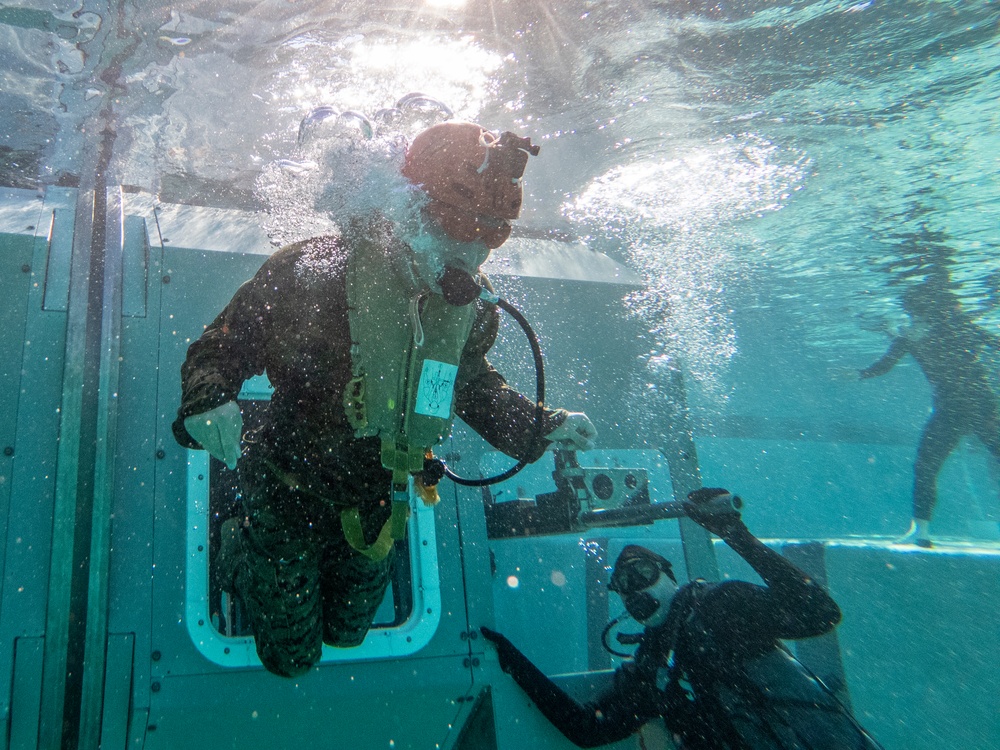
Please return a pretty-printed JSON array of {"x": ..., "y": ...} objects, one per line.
[
  {"x": 230, "y": 555},
  {"x": 227, "y": 565}
]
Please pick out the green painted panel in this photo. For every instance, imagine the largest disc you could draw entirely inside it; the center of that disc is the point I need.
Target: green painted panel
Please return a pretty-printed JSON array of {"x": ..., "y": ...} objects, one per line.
[
  {"x": 57, "y": 269},
  {"x": 15, "y": 277},
  {"x": 117, "y": 691},
  {"x": 26, "y": 695}
]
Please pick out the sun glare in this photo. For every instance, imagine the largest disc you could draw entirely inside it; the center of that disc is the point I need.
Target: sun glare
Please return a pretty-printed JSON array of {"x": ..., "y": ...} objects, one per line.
[
  {"x": 457, "y": 71},
  {"x": 370, "y": 71}
]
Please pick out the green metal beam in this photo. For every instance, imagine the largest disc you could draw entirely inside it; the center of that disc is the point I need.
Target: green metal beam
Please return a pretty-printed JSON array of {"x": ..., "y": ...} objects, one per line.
[{"x": 56, "y": 668}]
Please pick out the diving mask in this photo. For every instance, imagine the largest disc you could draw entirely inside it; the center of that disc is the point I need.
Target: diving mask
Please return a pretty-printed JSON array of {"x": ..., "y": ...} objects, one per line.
[{"x": 636, "y": 574}]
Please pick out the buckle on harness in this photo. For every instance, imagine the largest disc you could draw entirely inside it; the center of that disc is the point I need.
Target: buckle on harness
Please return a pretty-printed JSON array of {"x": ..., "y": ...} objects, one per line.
[{"x": 354, "y": 403}]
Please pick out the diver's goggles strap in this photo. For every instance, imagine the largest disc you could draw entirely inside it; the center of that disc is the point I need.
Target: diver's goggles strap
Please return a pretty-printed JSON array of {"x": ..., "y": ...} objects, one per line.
[{"x": 392, "y": 530}]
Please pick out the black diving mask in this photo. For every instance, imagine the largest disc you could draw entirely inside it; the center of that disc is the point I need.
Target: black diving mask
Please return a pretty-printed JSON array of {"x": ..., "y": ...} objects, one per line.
[
  {"x": 633, "y": 579},
  {"x": 636, "y": 574}
]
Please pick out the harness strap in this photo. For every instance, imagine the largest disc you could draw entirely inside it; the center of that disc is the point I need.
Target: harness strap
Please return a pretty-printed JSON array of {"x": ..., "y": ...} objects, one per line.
[
  {"x": 350, "y": 520},
  {"x": 401, "y": 459},
  {"x": 392, "y": 530}
]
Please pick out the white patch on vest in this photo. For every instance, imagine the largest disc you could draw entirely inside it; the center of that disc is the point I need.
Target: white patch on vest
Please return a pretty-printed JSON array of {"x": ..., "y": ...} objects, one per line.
[{"x": 437, "y": 385}]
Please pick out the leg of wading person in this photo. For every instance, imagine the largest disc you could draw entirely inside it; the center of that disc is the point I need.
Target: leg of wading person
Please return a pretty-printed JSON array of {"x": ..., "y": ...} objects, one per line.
[
  {"x": 940, "y": 437},
  {"x": 279, "y": 578},
  {"x": 986, "y": 427}
]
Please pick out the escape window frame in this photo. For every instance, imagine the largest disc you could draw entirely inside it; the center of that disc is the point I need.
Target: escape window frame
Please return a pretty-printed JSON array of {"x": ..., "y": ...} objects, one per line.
[{"x": 390, "y": 642}]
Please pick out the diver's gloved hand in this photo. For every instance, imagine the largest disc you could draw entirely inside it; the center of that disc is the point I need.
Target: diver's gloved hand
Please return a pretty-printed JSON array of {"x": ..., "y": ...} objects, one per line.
[
  {"x": 505, "y": 649},
  {"x": 576, "y": 432},
  {"x": 712, "y": 509},
  {"x": 219, "y": 431}
]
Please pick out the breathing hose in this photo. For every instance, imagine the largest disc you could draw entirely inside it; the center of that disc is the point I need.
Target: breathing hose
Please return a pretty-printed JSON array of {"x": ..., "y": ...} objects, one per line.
[
  {"x": 459, "y": 288},
  {"x": 626, "y": 639}
]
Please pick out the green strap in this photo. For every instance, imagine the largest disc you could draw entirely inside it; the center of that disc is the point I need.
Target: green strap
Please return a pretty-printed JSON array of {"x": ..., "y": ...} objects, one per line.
[{"x": 392, "y": 530}]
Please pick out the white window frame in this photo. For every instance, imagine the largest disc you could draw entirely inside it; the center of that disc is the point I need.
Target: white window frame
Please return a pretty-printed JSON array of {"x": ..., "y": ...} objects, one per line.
[{"x": 381, "y": 642}]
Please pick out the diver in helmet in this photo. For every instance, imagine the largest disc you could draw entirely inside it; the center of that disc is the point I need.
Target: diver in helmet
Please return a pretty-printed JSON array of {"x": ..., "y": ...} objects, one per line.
[
  {"x": 371, "y": 360},
  {"x": 709, "y": 660}
]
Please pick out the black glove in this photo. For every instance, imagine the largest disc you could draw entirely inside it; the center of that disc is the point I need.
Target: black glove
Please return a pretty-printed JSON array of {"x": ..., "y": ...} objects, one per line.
[
  {"x": 703, "y": 507},
  {"x": 505, "y": 649}
]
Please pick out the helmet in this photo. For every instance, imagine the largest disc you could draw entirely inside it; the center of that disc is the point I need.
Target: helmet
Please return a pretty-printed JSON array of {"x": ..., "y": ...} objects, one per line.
[{"x": 472, "y": 177}]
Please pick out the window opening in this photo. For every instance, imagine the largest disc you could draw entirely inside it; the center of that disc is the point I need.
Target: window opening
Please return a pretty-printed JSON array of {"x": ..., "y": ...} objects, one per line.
[{"x": 404, "y": 623}]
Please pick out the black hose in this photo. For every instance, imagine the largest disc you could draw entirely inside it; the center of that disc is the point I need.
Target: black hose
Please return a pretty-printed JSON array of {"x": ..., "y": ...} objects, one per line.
[
  {"x": 626, "y": 639},
  {"x": 536, "y": 352}
]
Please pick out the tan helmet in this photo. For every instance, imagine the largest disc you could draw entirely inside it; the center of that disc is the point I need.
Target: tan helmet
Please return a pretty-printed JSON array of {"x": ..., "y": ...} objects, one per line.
[{"x": 472, "y": 177}]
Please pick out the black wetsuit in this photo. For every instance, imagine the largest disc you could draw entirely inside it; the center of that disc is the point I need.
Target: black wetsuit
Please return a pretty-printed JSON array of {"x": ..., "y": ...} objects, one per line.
[
  {"x": 697, "y": 669},
  {"x": 962, "y": 400}
]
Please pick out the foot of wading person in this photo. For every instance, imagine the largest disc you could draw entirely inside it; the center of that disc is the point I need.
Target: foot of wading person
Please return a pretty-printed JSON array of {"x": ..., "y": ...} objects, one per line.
[{"x": 918, "y": 534}]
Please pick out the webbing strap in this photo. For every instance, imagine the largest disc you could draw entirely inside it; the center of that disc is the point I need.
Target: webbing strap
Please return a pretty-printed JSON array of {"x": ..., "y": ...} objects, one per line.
[
  {"x": 401, "y": 459},
  {"x": 392, "y": 530}
]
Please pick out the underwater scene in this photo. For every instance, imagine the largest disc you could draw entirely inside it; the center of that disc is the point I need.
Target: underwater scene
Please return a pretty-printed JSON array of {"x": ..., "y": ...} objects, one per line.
[{"x": 499, "y": 374}]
